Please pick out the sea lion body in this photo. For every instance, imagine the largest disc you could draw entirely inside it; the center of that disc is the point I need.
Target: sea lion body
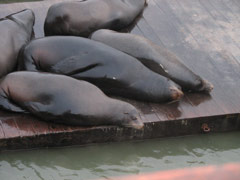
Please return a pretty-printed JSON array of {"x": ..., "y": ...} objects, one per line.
[
  {"x": 113, "y": 71},
  {"x": 156, "y": 58},
  {"x": 81, "y": 18},
  {"x": 62, "y": 99},
  {"x": 16, "y": 31}
]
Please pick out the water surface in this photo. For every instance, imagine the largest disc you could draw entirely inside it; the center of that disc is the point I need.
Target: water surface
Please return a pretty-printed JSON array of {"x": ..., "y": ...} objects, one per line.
[{"x": 117, "y": 159}]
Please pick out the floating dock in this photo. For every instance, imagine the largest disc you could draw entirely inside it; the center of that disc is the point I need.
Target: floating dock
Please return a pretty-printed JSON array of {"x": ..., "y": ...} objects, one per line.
[{"x": 205, "y": 34}]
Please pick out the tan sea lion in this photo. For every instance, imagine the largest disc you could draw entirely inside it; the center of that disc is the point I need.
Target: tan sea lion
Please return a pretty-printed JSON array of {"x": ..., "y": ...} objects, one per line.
[{"x": 62, "y": 99}]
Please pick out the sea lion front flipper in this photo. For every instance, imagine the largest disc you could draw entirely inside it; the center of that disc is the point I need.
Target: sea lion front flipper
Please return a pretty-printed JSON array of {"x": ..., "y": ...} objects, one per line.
[
  {"x": 6, "y": 104},
  {"x": 72, "y": 65}
]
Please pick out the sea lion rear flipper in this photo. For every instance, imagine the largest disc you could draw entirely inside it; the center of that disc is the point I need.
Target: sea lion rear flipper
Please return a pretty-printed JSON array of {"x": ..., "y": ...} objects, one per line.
[
  {"x": 72, "y": 65},
  {"x": 8, "y": 105}
]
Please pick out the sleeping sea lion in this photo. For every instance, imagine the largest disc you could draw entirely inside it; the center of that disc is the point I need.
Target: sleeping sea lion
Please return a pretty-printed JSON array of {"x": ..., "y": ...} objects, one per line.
[
  {"x": 81, "y": 18},
  {"x": 156, "y": 58},
  {"x": 16, "y": 30},
  {"x": 113, "y": 71},
  {"x": 62, "y": 99}
]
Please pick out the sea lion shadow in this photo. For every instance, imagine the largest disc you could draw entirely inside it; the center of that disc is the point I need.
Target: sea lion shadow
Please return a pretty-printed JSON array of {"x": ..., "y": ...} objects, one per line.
[
  {"x": 198, "y": 98},
  {"x": 170, "y": 110}
]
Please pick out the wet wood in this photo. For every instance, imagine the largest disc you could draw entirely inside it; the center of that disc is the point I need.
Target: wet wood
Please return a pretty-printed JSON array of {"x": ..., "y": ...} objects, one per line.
[
  {"x": 205, "y": 34},
  {"x": 25, "y": 126},
  {"x": 2, "y": 135}
]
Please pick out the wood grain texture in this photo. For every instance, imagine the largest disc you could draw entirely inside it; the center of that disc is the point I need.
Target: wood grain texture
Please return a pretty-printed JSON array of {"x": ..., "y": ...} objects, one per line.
[{"x": 205, "y": 34}]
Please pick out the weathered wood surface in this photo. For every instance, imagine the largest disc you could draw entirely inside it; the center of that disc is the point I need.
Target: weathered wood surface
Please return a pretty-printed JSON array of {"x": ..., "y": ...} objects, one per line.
[{"x": 204, "y": 33}]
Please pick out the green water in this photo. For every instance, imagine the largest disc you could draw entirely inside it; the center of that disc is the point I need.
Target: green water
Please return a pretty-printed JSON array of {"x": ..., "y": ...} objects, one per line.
[
  {"x": 13, "y": 1},
  {"x": 117, "y": 159}
]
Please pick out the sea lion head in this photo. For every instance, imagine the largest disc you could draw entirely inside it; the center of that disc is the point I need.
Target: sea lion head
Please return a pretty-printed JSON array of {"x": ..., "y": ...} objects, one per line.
[
  {"x": 170, "y": 91},
  {"x": 206, "y": 86},
  {"x": 129, "y": 117}
]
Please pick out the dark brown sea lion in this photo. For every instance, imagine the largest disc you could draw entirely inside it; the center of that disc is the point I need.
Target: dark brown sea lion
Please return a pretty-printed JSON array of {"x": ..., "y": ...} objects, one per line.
[
  {"x": 156, "y": 58},
  {"x": 113, "y": 71},
  {"x": 15, "y": 31},
  {"x": 62, "y": 99},
  {"x": 81, "y": 18}
]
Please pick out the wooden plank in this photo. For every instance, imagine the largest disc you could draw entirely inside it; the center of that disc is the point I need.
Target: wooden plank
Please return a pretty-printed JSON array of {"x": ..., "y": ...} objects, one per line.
[
  {"x": 229, "y": 74},
  {"x": 221, "y": 36},
  {"x": 25, "y": 126},
  {"x": 222, "y": 21},
  {"x": 2, "y": 135},
  {"x": 136, "y": 31},
  {"x": 221, "y": 6},
  {"x": 58, "y": 128},
  {"x": 40, "y": 127},
  {"x": 192, "y": 51},
  {"x": 236, "y": 2},
  {"x": 10, "y": 128},
  {"x": 231, "y": 34},
  {"x": 148, "y": 32},
  {"x": 169, "y": 13}
]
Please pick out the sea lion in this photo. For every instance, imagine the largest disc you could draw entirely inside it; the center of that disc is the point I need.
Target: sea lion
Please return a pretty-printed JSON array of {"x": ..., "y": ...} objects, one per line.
[
  {"x": 16, "y": 30},
  {"x": 81, "y": 18},
  {"x": 156, "y": 58},
  {"x": 113, "y": 71},
  {"x": 62, "y": 99}
]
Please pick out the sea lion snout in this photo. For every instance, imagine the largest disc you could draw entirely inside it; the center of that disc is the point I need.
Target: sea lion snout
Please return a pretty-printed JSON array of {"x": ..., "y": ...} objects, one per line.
[
  {"x": 133, "y": 120},
  {"x": 176, "y": 93},
  {"x": 135, "y": 123},
  {"x": 206, "y": 86}
]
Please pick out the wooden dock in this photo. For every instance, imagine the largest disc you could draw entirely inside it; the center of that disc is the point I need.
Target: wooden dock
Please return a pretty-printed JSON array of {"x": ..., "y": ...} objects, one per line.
[{"x": 204, "y": 33}]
